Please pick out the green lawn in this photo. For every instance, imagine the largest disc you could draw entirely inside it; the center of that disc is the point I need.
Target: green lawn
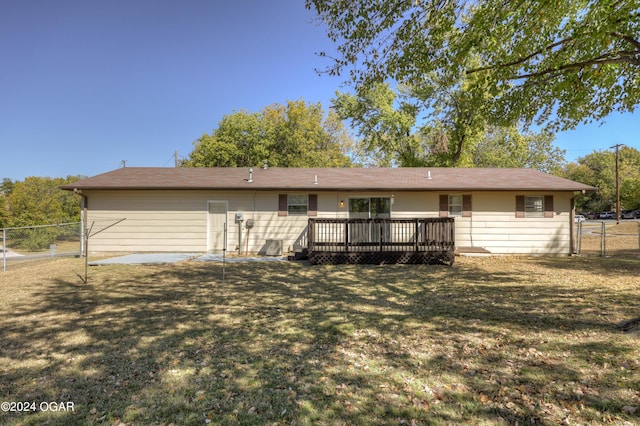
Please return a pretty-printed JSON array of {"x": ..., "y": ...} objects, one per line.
[{"x": 486, "y": 341}]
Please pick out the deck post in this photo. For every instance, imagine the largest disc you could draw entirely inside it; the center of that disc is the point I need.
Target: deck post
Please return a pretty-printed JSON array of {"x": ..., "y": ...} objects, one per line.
[
  {"x": 346, "y": 235},
  {"x": 311, "y": 237}
]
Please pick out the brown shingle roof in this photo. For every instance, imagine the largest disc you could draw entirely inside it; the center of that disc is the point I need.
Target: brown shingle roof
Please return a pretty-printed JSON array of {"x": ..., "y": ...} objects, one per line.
[{"x": 318, "y": 179}]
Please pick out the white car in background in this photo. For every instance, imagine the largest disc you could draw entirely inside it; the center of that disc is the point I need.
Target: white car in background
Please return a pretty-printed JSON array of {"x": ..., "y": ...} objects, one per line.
[{"x": 579, "y": 218}]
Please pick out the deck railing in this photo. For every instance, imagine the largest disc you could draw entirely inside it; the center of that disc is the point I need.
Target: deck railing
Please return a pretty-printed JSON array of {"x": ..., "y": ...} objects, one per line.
[{"x": 381, "y": 235}]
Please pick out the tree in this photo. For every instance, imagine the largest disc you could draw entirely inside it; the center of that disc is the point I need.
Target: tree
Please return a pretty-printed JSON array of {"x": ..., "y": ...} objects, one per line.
[
  {"x": 392, "y": 132},
  {"x": 293, "y": 135},
  {"x": 385, "y": 124},
  {"x": 5, "y": 189},
  {"x": 508, "y": 147},
  {"x": 598, "y": 169},
  {"x": 40, "y": 201},
  {"x": 562, "y": 65}
]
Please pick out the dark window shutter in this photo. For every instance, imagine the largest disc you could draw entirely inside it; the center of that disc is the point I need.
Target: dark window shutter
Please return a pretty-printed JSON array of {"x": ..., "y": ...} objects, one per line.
[
  {"x": 312, "y": 209},
  {"x": 519, "y": 205},
  {"x": 466, "y": 206},
  {"x": 548, "y": 206},
  {"x": 282, "y": 205},
  {"x": 444, "y": 205}
]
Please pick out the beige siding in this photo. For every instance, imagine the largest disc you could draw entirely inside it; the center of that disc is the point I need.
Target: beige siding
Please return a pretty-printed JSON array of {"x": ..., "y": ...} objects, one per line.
[
  {"x": 494, "y": 227},
  {"x": 153, "y": 221},
  {"x": 178, "y": 220}
]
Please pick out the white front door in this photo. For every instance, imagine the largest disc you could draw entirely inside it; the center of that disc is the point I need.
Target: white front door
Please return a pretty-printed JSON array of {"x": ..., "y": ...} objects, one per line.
[{"x": 217, "y": 225}]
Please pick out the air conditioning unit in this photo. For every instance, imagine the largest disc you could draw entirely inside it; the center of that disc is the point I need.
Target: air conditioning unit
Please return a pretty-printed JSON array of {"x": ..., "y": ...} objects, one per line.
[{"x": 273, "y": 248}]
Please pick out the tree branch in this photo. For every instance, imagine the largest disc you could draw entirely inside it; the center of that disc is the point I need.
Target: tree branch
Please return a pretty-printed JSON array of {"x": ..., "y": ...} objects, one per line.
[
  {"x": 521, "y": 60},
  {"x": 551, "y": 46},
  {"x": 613, "y": 58},
  {"x": 628, "y": 38}
]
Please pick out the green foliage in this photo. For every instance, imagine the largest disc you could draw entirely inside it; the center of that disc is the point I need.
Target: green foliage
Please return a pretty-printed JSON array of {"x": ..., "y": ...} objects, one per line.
[
  {"x": 599, "y": 169},
  {"x": 507, "y": 147},
  {"x": 39, "y": 201},
  {"x": 5, "y": 189},
  {"x": 630, "y": 193},
  {"x": 392, "y": 132},
  {"x": 36, "y": 239},
  {"x": 385, "y": 124},
  {"x": 560, "y": 64},
  {"x": 293, "y": 135}
]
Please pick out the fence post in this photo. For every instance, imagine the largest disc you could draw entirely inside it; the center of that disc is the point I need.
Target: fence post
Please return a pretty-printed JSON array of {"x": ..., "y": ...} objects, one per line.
[
  {"x": 579, "y": 239},
  {"x": 603, "y": 242},
  {"x": 580, "y": 225},
  {"x": 82, "y": 235}
]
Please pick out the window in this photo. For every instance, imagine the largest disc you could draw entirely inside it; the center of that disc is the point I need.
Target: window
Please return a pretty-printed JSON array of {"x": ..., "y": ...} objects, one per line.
[
  {"x": 370, "y": 207},
  {"x": 297, "y": 205},
  {"x": 534, "y": 206},
  {"x": 455, "y": 205}
]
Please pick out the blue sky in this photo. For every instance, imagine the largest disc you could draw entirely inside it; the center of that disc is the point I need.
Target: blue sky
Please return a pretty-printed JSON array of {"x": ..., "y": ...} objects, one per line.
[{"x": 85, "y": 84}]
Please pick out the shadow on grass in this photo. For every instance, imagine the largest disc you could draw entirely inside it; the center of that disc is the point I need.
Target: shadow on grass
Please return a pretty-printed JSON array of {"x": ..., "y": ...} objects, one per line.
[{"x": 322, "y": 345}]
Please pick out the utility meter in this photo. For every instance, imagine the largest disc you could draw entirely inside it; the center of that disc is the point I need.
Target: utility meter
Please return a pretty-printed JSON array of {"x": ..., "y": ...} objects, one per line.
[
  {"x": 249, "y": 223},
  {"x": 239, "y": 216}
]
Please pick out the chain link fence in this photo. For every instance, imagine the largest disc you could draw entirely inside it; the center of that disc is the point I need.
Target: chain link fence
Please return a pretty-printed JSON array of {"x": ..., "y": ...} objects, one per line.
[
  {"x": 31, "y": 243},
  {"x": 608, "y": 238}
]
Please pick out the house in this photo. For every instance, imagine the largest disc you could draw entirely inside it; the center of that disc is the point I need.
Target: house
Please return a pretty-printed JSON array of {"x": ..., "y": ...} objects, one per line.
[{"x": 267, "y": 210}]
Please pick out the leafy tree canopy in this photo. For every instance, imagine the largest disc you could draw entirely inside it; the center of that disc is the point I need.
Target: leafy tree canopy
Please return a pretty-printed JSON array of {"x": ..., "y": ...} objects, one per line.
[
  {"x": 509, "y": 147},
  {"x": 293, "y": 135},
  {"x": 38, "y": 201},
  {"x": 599, "y": 169},
  {"x": 561, "y": 64},
  {"x": 393, "y": 132}
]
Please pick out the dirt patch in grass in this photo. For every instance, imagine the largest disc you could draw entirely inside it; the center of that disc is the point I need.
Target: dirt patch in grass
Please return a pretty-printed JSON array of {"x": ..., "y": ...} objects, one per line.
[{"x": 487, "y": 341}]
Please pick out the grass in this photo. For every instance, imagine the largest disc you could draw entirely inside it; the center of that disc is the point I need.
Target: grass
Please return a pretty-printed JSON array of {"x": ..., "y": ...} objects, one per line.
[
  {"x": 622, "y": 239},
  {"x": 487, "y": 341}
]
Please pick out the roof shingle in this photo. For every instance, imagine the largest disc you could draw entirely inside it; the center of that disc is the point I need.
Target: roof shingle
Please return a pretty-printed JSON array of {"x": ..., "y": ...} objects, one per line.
[{"x": 324, "y": 179}]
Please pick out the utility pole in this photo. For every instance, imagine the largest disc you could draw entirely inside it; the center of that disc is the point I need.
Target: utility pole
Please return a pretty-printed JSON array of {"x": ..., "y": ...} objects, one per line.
[
  {"x": 176, "y": 158},
  {"x": 617, "y": 147}
]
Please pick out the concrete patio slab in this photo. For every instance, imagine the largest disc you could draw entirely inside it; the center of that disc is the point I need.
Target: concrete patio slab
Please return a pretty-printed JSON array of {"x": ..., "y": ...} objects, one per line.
[
  {"x": 145, "y": 259},
  {"x": 234, "y": 259}
]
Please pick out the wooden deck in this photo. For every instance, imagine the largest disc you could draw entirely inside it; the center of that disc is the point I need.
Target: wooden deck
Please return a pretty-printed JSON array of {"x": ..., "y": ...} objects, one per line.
[{"x": 381, "y": 241}]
